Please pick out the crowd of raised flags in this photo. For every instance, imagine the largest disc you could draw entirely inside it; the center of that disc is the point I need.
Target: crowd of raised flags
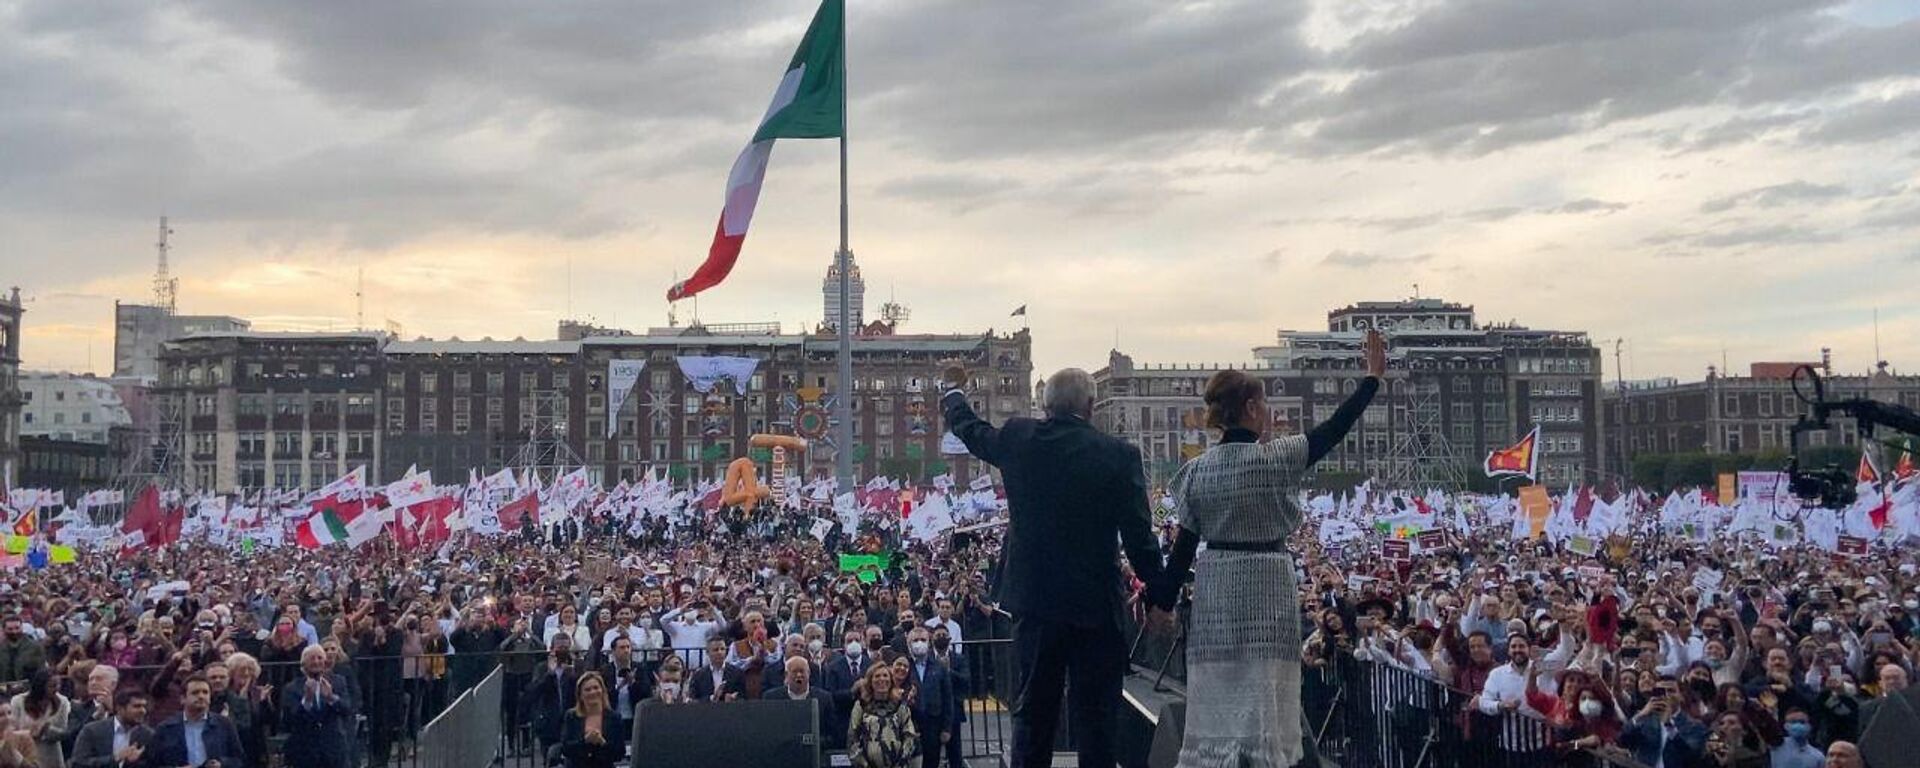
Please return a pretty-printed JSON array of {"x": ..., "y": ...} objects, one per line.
[
  {"x": 1583, "y": 520},
  {"x": 416, "y": 513}
]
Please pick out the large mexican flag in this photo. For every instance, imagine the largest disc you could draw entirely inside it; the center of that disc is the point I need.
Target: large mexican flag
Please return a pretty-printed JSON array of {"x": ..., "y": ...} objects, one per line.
[{"x": 809, "y": 103}]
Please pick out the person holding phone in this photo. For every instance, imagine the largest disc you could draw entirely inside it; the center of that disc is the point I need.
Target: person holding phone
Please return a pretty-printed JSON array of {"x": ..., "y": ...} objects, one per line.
[{"x": 1662, "y": 733}]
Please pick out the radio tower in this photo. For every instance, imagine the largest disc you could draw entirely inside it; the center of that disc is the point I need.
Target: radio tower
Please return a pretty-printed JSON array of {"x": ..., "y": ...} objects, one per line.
[{"x": 165, "y": 288}]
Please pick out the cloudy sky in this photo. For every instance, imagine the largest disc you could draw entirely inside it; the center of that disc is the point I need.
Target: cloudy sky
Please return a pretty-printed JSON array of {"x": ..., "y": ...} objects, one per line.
[{"x": 1699, "y": 177}]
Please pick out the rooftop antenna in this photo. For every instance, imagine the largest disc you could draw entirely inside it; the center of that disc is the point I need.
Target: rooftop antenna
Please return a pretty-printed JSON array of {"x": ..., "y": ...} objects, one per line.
[
  {"x": 165, "y": 288},
  {"x": 1416, "y": 291},
  {"x": 360, "y": 298}
]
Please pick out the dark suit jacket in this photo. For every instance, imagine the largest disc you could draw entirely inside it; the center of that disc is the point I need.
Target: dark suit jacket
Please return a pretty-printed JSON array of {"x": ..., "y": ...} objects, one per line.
[
  {"x": 700, "y": 684},
  {"x": 221, "y": 739},
  {"x": 1642, "y": 738},
  {"x": 94, "y": 748},
  {"x": 638, "y": 691},
  {"x": 959, "y": 681},
  {"x": 933, "y": 699},
  {"x": 546, "y": 701},
  {"x": 1072, "y": 493},
  {"x": 838, "y": 675},
  {"x": 316, "y": 737}
]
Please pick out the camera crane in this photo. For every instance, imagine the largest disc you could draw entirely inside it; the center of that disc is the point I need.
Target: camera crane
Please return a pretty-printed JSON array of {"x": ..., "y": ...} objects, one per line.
[{"x": 1831, "y": 486}]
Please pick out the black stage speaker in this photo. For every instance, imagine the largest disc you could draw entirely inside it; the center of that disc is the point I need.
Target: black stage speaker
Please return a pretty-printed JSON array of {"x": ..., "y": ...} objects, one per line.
[
  {"x": 700, "y": 734},
  {"x": 1168, "y": 734}
]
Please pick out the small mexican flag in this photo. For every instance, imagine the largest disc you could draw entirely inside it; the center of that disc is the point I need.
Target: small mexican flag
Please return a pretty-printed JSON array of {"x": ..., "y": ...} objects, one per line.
[{"x": 335, "y": 520}]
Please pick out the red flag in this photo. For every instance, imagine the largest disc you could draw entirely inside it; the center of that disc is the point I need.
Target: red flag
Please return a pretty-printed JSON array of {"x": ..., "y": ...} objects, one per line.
[
  {"x": 1522, "y": 458},
  {"x": 528, "y": 507},
  {"x": 432, "y": 516},
  {"x": 28, "y": 524},
  {"x": 1583, "y": 505},
  {"x": 1878, "y": 515}
]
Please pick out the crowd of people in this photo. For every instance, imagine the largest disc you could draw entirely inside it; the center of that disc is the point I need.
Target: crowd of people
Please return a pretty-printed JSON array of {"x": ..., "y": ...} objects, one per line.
[
  {"x": 1674, "y": 651},
  {"x": 204, "y": 656}
]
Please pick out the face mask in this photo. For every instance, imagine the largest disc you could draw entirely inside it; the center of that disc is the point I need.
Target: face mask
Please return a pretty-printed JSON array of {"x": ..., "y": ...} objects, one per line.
[
  {"x": 1849, "y": 689},
  {"x": 1799, "y": 731},
  {"x": 593, "y": 602},
  {"x": 918, "y": 648},
  {"x": 855, "y": 649},
  {"x": 670, "y": 690},
  {"x": 1912, "y": 605},
  {"x": 1715, "y": 663},
  {"x": 1591, "y": 708},
  {"x": 1822, "y": 627},
  {"x": 940, "y": 644},
  {"x": 814, "y": 646}
]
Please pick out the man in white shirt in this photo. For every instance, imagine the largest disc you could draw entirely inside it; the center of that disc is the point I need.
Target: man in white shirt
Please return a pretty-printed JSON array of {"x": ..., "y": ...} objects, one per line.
[
  {"x": 688, "y": 629},
  {"x": 943, "y": 617},
  {"x": 623, "y": 626},
  {"x": 1506, "y": 688}
]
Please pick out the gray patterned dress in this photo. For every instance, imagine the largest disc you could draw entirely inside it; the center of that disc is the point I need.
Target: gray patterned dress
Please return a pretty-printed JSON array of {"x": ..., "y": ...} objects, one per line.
[{"x": 1243, "y": 643}]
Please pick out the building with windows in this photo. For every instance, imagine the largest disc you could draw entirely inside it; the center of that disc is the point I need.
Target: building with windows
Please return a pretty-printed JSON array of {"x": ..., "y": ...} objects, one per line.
[
  {"x": 296, "y": 410},
  {"x": 65, "y": 406},
  {"x": 1752, "y": 414},
  {"x": 74, "y": 466},
  {"x": 141, "y": 330},
  {"x": 1455, "y": 390},
  {"x": 10, "y": 397}
]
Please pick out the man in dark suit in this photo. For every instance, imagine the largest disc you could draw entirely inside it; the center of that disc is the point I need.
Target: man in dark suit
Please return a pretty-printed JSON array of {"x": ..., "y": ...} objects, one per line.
[
  {"x": 797, "y": 685},
  {"x": 316, "y": 713},
  {"x": 1072, "y": 493},
  {"x": 628, "y": 684},
  {"x": 930, "y": 687},
  {"x": 550, "y": 695},
  {"x": 718, "y": 680},
  {"x": 120, "y": 741},
  {"x": 197, "y": 736},
  {"x": 943, "y": 652}
]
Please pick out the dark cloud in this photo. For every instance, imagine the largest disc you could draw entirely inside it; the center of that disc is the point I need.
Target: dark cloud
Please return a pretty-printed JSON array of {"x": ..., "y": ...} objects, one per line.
[
  {"x": 1367, "y": 260},
  {"x": 1874, "y": 120},
  {"x": 1775, "y": 196},
  {"x": 960, "y": 193}
]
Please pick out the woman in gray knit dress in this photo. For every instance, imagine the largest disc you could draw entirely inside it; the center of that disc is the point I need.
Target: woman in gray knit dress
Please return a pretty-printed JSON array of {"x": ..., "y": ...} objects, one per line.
[{"x": 1243, "y": 645}]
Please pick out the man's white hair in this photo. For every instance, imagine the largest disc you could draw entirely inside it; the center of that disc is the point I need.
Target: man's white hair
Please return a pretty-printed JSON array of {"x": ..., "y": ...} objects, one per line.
[{"x": 1069, "y": 393}]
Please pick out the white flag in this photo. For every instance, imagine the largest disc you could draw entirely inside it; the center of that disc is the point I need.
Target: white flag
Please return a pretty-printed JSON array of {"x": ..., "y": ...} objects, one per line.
[{"x": 622, "y": 375}]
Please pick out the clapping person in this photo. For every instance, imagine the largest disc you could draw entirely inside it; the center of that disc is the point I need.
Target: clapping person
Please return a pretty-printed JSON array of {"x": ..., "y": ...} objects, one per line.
[
  {"x": 589, "y": 736},
  {"x": 880, "y": 731}
]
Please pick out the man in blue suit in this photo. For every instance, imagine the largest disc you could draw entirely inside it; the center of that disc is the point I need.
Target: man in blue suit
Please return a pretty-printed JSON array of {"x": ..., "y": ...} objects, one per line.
[
  {"x": 316, "y": 714},
  {"x": 931, "y": 696},
  {"x": 198, "y": 737}
]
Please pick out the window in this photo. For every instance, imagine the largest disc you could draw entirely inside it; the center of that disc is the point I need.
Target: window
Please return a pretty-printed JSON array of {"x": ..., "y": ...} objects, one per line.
[
  {"x": 1462, "y": 384},
  {"x": 462, "y": 381},
  {"x": 496, "y": 381},
  {"x": 529, "y": 380},
  {"x": 660, "y": 450},
  {"x": 596, "y": 450},
  {"x": 661, "y": 382},
  {"x": 325, "y": 444},
  {"x": 1765, "y": 404},
  {"x": 883, "y": 405},
  {"x": 287, "y": 475},
  {"x": 396, "y": 416},
  {"x": 359, "y": 405},
  {"x": 883, "y": 428},
  {"x": 692, "y": 452},
  {"x": 596, "y": 403},
  {"x": 429, "y": 383},
  {"x": 326, "y": 369},
  {"x": 252, "y": 443},
  {"x": 462, "y": 421},
  {"x": 1462, "y": 412},
  {"x": 396, "y": 382},
  {"x": 691, "y": 405},
  {"x": 325, "y": 405},
  {"x": 1732, "y": 439},
  {"x": 359, "y": 443},
  {"x": 758, "y": 382},
  {"x": 288, "y": 405},
  {"x": 253, "y": 475},
  {"x": 1730, "y": 405},
  {"x": 429, "y": 420},
  {"x": 562, "y": 382},
  {"x": 203, "y": 443},
  {"x": 254, "y": 370},
  {"x": 286, "y": 444}
]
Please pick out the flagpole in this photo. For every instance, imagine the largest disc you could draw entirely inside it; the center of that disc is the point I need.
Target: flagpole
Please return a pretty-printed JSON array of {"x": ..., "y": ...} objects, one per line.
[{"x": 843, "y": 405}]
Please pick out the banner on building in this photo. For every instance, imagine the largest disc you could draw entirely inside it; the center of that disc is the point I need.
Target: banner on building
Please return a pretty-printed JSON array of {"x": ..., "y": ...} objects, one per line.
[
  {"x": 622, "y": 375},
  {"x": 705, "y": 373}
]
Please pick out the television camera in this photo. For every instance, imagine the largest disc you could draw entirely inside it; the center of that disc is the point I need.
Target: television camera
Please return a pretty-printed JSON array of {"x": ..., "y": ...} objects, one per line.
[{"x": 1831, "y": 486}]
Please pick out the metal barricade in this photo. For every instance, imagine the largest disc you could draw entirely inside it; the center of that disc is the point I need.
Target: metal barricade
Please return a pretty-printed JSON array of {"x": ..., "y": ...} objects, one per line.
[{"x": 466, "y": 732}]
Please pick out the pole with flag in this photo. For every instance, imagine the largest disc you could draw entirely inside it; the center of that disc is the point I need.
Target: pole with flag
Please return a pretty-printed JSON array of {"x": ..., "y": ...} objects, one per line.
[{"x": 843, "y": 405}]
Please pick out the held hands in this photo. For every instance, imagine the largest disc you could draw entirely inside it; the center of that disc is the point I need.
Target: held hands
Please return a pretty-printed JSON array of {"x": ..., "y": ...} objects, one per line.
[
  {"x": 953, "y": 375},
  {"x": 594, "y": 737}
]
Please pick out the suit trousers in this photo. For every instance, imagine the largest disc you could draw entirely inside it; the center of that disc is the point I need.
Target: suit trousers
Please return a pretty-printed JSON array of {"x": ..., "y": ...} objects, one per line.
[{"x": 1090, "y": 662}]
